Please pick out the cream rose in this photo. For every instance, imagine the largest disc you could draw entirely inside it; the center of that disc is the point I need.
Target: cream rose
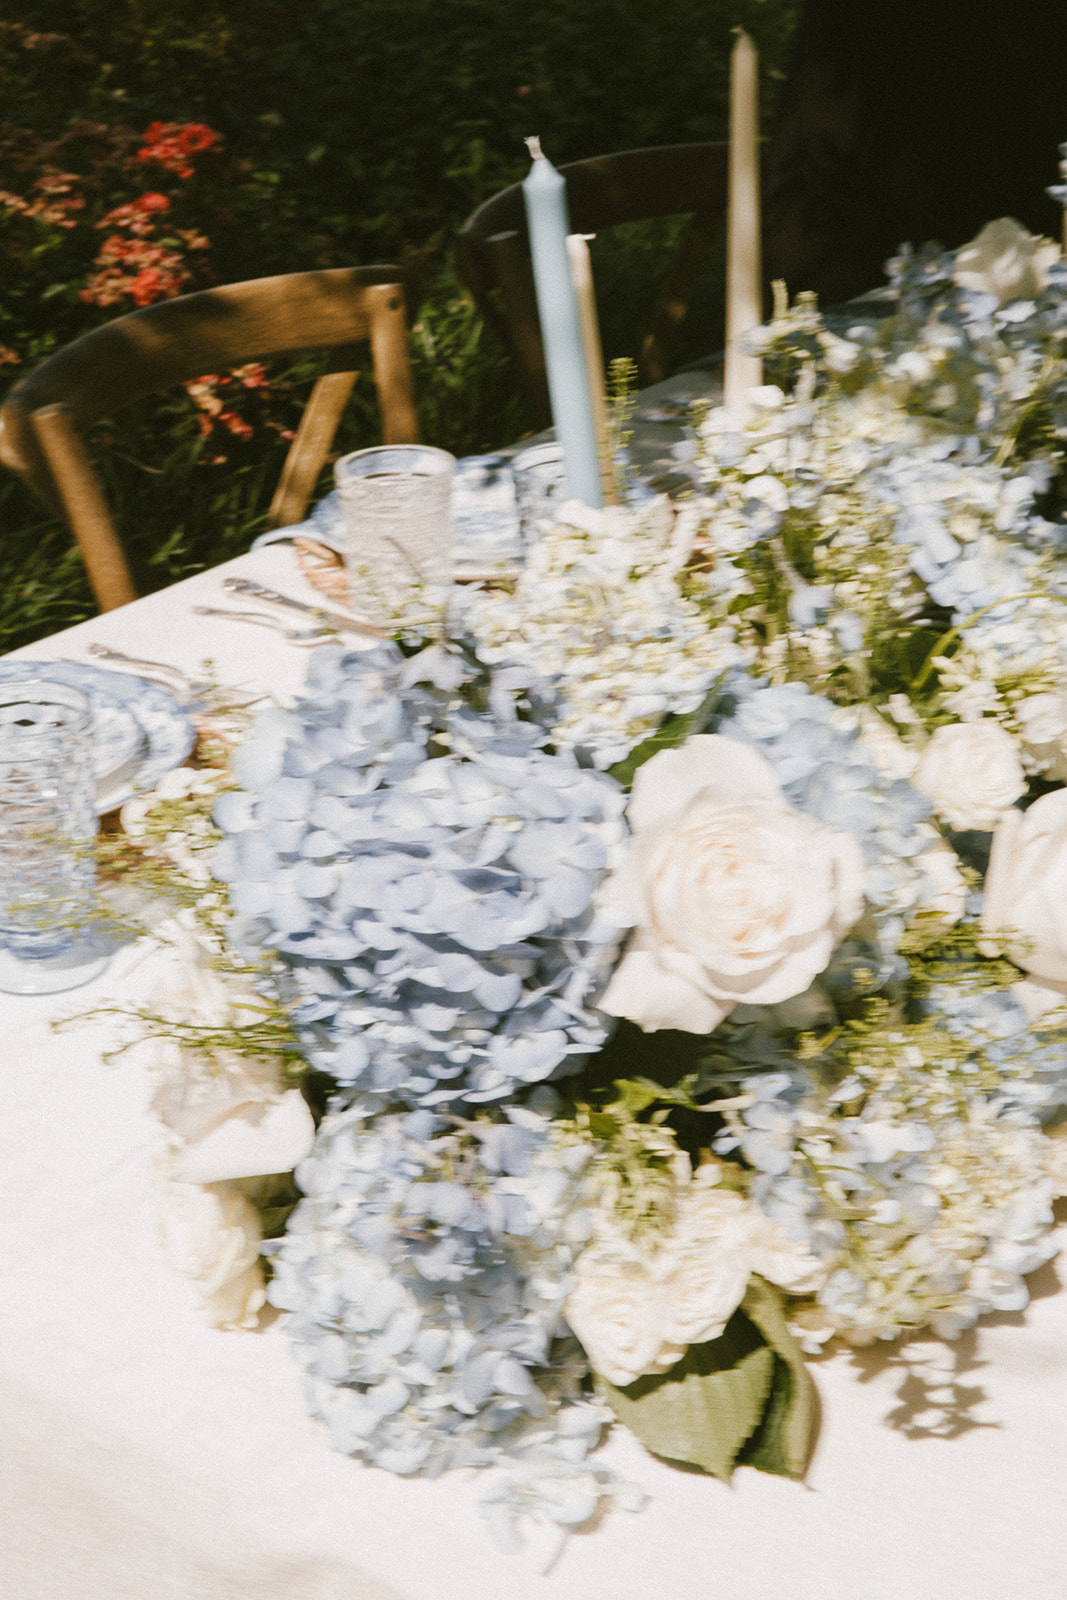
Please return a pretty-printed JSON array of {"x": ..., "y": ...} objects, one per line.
[
  {"x": 230, "y": 1115},
  {"x": 734, "y": 896},
  {"x": 212, "y": 1237},
  {"x": 1006, "y": 261},
  {"x": 1024, "y": 913},
  {"x": 972, "y": 773},
  {"x": 1042, "y": 721},
  {"x": 614, "y": 1313},
  {"x": 636, "y": 1309}
]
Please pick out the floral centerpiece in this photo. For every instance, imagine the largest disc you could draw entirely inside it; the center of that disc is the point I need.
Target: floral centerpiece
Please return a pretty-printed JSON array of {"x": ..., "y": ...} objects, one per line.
[{"x": 674, "y": 945}]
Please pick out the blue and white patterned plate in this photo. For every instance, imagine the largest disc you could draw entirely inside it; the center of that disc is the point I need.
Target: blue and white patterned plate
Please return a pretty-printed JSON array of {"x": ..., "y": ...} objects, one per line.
[{"x": 140, "y": 732}]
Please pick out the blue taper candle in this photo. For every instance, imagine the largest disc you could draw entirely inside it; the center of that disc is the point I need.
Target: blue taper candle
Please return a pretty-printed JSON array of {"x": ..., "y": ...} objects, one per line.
[{"x": 545, "y": 193}]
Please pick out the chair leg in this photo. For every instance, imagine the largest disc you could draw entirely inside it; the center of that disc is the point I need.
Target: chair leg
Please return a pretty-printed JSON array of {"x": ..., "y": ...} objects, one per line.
[
  {"x": 310, "y": 448},
  {"x": 514, "y": 274},
  {"x": 86, "y": 509}
]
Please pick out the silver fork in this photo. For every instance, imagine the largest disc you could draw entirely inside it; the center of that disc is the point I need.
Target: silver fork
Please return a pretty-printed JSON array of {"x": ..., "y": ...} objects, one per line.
[
  {"x": 301, "y": 636},
  {"x": 190, "y": 691},
  {"x": 154, "y": 669},
  {"x": 336, "y": 620}
]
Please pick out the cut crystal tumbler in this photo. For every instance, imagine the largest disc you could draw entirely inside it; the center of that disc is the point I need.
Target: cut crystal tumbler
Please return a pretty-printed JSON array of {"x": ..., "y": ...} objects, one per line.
[{"x": 47, "y": 826}]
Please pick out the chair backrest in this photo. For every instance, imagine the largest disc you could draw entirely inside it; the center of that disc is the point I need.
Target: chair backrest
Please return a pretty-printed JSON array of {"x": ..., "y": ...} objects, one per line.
[
  {"x": 493, "y": 257},
  {"x": 43, "y": 415}
]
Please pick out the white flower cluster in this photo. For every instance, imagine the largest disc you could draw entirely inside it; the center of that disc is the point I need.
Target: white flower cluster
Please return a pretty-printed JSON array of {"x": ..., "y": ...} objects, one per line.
[
  {"x": 882, "y": 501},
  {"x": 228, "y": 1116},
  {"x": 603, "y": 632},
  {"x": 900, "y": 475},
  {"x": 637, "y": 1305},
  {"x": 926, "y": 1197}
]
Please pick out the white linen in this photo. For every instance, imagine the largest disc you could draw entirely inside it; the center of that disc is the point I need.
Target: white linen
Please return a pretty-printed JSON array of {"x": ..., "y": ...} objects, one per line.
[{"x": 145, "y": 1456}]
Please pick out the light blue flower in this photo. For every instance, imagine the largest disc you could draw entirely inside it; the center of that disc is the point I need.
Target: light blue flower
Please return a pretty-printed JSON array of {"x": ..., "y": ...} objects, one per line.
[{"x": 434, "y": 906}]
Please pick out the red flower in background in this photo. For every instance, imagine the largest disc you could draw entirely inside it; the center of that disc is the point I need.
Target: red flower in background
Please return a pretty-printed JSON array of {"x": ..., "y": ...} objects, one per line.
[
  {"x": 136, "y": 216},
  {"x": 209, "y": 396},
  {"x": 55, "y": 199},
  {"x": 135, "y": 263},
  {"x": 172, "y": 144},
  {"x": 136, "y": 266},
  {"x": 137, "y": 270}
]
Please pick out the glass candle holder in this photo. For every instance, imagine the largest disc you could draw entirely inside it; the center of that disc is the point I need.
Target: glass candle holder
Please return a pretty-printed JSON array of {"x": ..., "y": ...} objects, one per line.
[
  {"x": 397, "y": 502},
  {"x": 49, "y": 925},
  {"x": 540, "y": 488}
]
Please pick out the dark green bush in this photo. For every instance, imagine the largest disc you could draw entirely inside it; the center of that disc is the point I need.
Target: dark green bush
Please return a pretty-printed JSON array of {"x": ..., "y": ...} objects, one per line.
[{"x": 353, "y": 131}]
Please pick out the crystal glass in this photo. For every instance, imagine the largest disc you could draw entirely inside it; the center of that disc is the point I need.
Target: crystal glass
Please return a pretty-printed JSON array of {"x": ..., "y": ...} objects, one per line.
[
  {"x": 397, "y": 502},
  {"x": 48, "y": 940},
  {"x": 540, "y": 487}
]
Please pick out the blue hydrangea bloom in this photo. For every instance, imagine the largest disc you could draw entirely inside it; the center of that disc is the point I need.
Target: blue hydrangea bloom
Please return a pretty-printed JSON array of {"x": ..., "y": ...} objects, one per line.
[{"x": 427, "y": 873}]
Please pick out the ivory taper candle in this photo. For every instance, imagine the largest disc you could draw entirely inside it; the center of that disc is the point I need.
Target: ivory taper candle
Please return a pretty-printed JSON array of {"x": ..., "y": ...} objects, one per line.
[
  {"x": 545, "y": 194},
  {"x": 744, "y": 293},
  {"x": 582, "y": 277}
]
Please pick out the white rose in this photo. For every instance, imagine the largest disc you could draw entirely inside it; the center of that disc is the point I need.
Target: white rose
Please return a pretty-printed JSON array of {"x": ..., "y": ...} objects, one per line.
[
  {"x": 230, "y": 1115},
  {"x": 1024, "y": 913},
  {"x": 1006, "y": 261},
  {"x": 614, "y": 1311},
  {"x": 734, "y": 895},
  {"x": 704, "y": 1265},
  {"x": 719, "y": 1240},
  {"x": 212, "y": 1237},
  {"x": 1042, "y": 720},
  {"x": 253, "y": 1139},
  {"x": 972, "y": 773},
  {"x": 636, "y": 1310}
]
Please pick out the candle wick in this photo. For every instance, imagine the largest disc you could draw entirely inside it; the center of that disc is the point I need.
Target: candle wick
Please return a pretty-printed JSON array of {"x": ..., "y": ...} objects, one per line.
[{"x": 533, "y": 144}]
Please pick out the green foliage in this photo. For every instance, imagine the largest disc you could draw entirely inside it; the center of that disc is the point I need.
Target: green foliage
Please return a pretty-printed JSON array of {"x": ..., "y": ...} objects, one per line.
[
  {"x": 671, "y": 733},
  {"x": 745, "y": 1397},
  {"x": 784, "y": 1440},
  {"x": 702, "y": 1412},
  {"x": 380, "y": 125}
]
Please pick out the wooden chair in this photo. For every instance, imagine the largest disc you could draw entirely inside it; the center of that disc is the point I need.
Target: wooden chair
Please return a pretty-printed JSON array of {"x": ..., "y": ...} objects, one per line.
[
  {"x": 44, "y": 415},
  {"x": 493, "y": 253}
]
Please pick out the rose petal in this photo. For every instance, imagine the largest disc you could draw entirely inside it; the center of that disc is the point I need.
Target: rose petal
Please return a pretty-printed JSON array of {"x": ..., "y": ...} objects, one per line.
[
  {"x": 644, "y": 992},
  {"x": 728, "y": 771}
]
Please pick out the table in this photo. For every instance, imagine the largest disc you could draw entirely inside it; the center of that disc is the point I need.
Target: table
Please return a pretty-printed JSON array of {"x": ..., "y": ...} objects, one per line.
[{"x": 148, "y": 1457}]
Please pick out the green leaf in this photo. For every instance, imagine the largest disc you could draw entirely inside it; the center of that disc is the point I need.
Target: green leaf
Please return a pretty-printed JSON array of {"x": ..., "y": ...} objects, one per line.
[
  {"x": 784, "y": 1441},
  {"x": 634, "y": 1095},
  {"x": 703, "y": 1410},
  {"x": 672, "y": 732}
]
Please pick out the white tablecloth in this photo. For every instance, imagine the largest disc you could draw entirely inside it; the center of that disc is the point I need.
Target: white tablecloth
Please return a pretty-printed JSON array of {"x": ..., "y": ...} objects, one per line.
[{"x": 144, "y": 1456}]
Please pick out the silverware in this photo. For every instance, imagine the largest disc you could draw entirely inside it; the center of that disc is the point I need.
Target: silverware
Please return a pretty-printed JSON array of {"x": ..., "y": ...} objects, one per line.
[
  {"x": 293, "y": 635},
  {"x": 335, "y": 620},
  {"x": 194, "y": 693},
  {"x": 154, "y": 669}
]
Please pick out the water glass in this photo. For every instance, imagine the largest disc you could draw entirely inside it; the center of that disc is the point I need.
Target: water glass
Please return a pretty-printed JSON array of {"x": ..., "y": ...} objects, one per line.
[
  {"x": 540, "y": 487},
  {"x": 397, "y": 502},
  {"x": 48, "y": 940}
]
